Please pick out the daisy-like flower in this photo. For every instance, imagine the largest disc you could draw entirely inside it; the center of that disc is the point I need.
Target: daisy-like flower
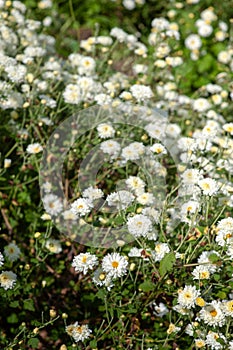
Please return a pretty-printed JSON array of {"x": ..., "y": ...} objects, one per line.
[
  {"x": 7, "y": 279},
  {"x": 12, "y": 252},
  {"x": 134, "y": 151},
  {"x": 105, "y": 131},
  {"x": 201, "y": 272},
  {"x": 158, "y": 148},
  {"x": 52, "y": 204},
  {"x": 191, "y": 177},
  {"x": 145, "y": 198},
  {"x": 1, "y": 259},
  {"x": 228, "y": 127},
  {"x": 187, "y": 296},
  {"x": 160, "y": 310},
  {"x": 204, "y": 259},
  {"x": 173, "y": 329},
  {"x": 115, "y": 265},
  {"x": 161, "y": 249},
  {"x": 81, "y": 206},
  {"x": 212, "y": 340},
  {"x": 84, "y": 262},
  {"x": 193, "y": 42},
  {"x": 53, "y": 245},
  {"x": 212, "y": 314},
  {"x": 93, "y": 193},
  {"x": 139, "y": 225},
  {"x": 78, "y": 332},
  {"x": 209, "y": 186},
  {"x": 227, "y": 308},
  {"x": 199, "y": 343},
  {"x": 201, "y": 105},
  {"x": 141, "y": 92},
  {"x": 34, "y": 148},
  {"x": 111, "y": 147},
  {"x": 121, "y": 199},
  {"x": 135, "y": 184},
  {"x": 101, "y": 278}
]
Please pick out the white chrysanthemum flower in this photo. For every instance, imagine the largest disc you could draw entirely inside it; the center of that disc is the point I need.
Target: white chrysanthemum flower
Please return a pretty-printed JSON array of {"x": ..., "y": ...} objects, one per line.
[
  {"x": 53, "y": 245},
  {"x": 193, "y": 42},
  {"x": 212, "y": 314},
  {"x": 101, "y": 278},
  {"x": 12, "y": 252},
  {"x": 160, "y": 310},
  {"x": 212, "y": 340},
  {"x": 230, "y": 345},
  {"x": 160, "y": 24},
  {"x": 158, "y": 148},
  {"x": 1, "y": 259},
  {"x": 209, "y": 186},
  {"x": 105, "y": 131},
  {"x": 139, "y": 225},
  {"x": 111, "y": 147},
  {"x": 227, "y": 307},
  {"x": 52, "y": 204},
  {"x": 205, "y": 30},
  {"x": 146, "y": 198},
  {"x": 141, "y": 92},
  {"x": 189, "y": 208},
  {"x": 121, "y": 199},
  {"x": 78, "y": 332},
  {"x": 135, "y": 252},
  {"x": 16, "y": 73},
  {"x": 134, "y": 151},
  {"x": 93, "y": 193},
  {"x": 72, "y": 94},
  {"x": 153, "y": 214},
  {"x": 161, "y": 249},
  {"x": 201, "y": 105},
  {"x": 191, "y": 176},
  {"x": 201, "y": 272},
  {"x": 84, "y": 262},
  {"x": 86, "y": 66},
  {"x": 82, "y": 206},
  {"x": 228, "y": 127},
  {"x": 69, "y": 215},
  {"x": 156, "y": 130},
  {"x": 103, "y": 99},
  {"x": 187, "y": 296},
  {"x": 224, "y": 57},
  {"x": 34, "y": 148},
  {"x": 199, "y": 343},
  {"x": 47, "y": 187},
  {"x": 115, "y": 265},
  {"x": 7, "y": 279},
  {"x": 173, "y": 328},
  {"x": 135, "y": 184}
]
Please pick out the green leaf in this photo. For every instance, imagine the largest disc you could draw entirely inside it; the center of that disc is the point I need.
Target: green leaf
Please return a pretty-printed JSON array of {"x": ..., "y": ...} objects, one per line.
[
  {"x": 13, "y": 318},
  {"x": 213, "y": 257},
  {"x": 146, "y": 286},
  {"x": 28, "y": 305},
  {"x": 93, "y": 344},
  {"x": 14, "y": 304},
  {"x": 166, "y": 264},
  {"x": 33, "y": 342}
]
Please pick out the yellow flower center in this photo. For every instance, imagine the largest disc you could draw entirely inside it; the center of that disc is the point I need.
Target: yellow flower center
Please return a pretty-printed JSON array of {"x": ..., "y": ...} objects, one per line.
[
  {"x": 213, "y": 313},
  {"x": 115, "y": 264},
  {"x": 84, "y": 259}
]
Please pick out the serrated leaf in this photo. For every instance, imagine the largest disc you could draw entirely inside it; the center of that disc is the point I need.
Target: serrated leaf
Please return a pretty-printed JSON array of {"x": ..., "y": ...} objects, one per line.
[
  {"x": 14, "y": 304},
  {"x": 213, "y": 257},
  {"x": 167, "y": 263},
  {"x": 33, "y": 342},
  {"x": 28, "y": 305},
  {"x": 146, "y": 286}
]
